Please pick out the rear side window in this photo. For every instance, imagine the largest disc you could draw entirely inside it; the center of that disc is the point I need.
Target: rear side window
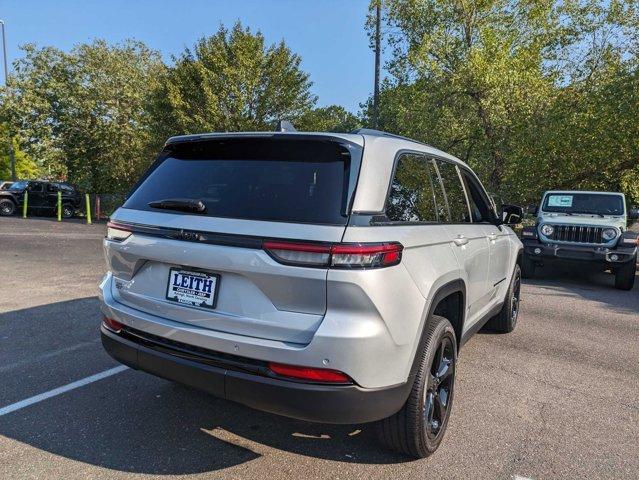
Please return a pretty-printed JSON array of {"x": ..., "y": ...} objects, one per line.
[
  {"x": 455, "y": 193},
  {"x": 255, "y": 178},
  {"x": 412, "y": 196}
]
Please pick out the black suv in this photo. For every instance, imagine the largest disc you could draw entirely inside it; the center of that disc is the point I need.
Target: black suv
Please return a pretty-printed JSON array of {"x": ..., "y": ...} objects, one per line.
[{"x": 43, "y": 197}]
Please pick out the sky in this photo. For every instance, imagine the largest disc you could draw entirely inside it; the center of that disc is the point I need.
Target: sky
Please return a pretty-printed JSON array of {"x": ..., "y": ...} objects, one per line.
[{"x": 329, "y": 35}]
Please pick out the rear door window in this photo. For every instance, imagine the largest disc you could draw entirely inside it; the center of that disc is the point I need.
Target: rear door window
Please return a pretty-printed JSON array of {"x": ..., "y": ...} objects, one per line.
[{"x": 288, "y": 180}]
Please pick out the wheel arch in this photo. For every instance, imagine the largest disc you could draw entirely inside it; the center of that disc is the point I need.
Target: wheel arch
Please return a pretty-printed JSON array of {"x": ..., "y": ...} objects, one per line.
[
  {"x": 4, "y": 196},
  {"x": 449, "y": 300}
]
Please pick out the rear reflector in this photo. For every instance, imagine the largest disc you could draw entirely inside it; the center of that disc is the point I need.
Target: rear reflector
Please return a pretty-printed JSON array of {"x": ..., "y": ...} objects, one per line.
[
  {"x": 112, "y": 325},
  {"x": 310, "y": 374},
  {"x": 341, "y": 255}
]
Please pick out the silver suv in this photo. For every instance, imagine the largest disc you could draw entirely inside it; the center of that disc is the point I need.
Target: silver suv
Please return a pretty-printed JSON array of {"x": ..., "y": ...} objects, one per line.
[{"x": 324, "y": 277}]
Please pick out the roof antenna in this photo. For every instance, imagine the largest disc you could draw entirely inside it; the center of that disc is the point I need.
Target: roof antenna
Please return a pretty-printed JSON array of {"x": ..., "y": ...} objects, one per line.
[{"x": 285, "y": 126}]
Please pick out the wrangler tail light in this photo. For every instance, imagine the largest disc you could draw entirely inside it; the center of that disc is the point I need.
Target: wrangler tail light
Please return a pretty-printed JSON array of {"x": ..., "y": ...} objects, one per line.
[
  {"x": 323, "y": 375},
  {"x": 340, "y": 255}
]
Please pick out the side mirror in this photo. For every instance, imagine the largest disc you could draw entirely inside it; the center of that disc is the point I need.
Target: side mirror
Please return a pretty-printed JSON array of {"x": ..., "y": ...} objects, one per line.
[
  {"x": 633, "y": 214},
  {"x": 512, "y": 214},
  {"x": 532, "y": 209}
]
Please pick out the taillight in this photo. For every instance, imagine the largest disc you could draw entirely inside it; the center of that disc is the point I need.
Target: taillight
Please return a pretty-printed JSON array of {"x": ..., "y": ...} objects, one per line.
[
  {"x": 117, "y": 231},
  {"x": 302, "y": 254},
  {"x": 341, "y": 255},
  {"x": 310, "y": 374},
  {"x": 364, "y": 255},
  {"x": 112, "y": 325}
]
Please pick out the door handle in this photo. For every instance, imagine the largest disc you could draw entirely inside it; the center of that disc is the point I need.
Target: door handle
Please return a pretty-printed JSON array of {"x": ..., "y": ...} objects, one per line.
[
  {"x": 492, "y": 237},
  {"x": 460, "y": 240}
]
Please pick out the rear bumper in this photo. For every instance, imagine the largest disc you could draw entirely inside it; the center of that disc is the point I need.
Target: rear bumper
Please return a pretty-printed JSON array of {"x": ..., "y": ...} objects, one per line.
[
  {"x": 248, "y": 383},
  {"x": 597, "y": 255}
]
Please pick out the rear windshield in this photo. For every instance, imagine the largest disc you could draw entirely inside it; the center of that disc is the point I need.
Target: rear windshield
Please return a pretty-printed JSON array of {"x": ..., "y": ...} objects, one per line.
[
  {"x": 594, "y": 203},
  {"x": 254, "y": 178}
]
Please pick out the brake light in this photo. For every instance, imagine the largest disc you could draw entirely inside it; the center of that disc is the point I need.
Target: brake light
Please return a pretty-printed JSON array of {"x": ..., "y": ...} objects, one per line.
[
  {"x": 112, "y": 325},
  {"x": 302, "y": 254},
  {"x": 311, "y": 374},
  {"x": 366, "y": 255},
  {"x": 341, "y": 255},
  {"x": 117, "y": 232}
]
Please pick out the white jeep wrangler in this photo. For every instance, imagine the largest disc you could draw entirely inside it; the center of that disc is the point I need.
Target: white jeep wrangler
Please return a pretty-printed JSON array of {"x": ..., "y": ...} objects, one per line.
[{"x": 582, "y": 226}]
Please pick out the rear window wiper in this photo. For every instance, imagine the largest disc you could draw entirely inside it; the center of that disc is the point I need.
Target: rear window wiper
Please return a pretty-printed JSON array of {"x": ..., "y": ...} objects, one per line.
[{"x": 181, "y": 204}]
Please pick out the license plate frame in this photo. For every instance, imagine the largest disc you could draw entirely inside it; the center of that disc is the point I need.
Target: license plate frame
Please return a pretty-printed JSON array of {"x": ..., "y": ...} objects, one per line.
[{"x": 187, "y": 296}]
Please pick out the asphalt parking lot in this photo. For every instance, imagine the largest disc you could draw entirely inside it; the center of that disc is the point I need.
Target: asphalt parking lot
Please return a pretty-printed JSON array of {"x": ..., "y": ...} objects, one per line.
[{"x": 558, "y": 398}]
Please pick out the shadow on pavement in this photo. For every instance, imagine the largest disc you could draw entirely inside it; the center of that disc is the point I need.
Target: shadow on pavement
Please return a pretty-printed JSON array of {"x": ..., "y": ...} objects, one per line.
[
  {"x": 588, "y": 283},
  {"x": 134, "y": 422}
]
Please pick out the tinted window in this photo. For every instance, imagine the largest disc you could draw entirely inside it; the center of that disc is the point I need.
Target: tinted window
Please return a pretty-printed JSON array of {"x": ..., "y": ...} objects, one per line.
[
  {"x": 454, "y": 192},
  {"x": 34, "y": 187},
  {"x": 595, "y": 203},
  {"x": 438, "y": 191},
  {"x": 479, "y": 207},
  {"x": 52, "y": 187},
  {"x": 251, "y": 178},
  {"x": 411, "y": 197},
  {"x": 18, "y": 186}
]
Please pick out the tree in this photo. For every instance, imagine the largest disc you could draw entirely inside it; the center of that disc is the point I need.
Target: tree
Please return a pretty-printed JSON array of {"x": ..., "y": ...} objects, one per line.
[
  {"x": 333, "y": 118},
  {"x": 25, "y": 166},
  {"x": 84, "y": 114},
  {"x": 232, "y": 81},
  {"x": 507, "y": 86}
]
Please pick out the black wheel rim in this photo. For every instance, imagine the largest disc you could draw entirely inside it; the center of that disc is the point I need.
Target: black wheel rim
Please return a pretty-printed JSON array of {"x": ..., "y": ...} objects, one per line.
[
  {"x": 439, "y": 388},
  {"x": 66, "y": 212},
  {"x": 6, "y": 209},
  {"x": 514, "y": 302}
]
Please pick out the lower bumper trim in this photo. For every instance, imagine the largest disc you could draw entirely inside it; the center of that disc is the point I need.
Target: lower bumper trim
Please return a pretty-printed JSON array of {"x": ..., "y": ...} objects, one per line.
[
  {"x": 338, "y": 404},
  {"x": 600, "y": 255}
]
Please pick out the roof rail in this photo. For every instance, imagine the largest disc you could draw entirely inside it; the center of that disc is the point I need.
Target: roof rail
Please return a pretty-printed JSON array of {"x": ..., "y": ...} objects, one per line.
[{"x": 380, "y": 133}]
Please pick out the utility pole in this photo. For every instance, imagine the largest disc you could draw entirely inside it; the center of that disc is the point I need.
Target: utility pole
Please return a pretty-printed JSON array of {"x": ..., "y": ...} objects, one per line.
[
  {"x": 12, "y": 156},
  {"x": 378, "y": 11}
]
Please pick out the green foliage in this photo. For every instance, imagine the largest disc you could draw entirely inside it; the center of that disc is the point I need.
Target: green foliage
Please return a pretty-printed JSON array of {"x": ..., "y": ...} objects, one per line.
[
  {"x": 232, "y": 81},
  {"x": 25, "y": 166},
  {"x": 533, "y": 95},
  {"x": 83, "y": 115},
  {"x": 327, "y": 119}
]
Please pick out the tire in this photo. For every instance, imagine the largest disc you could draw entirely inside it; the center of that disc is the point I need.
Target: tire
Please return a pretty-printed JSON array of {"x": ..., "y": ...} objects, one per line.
[
  {"x": 528, "y": 266},
  {"x": 67, "y": 211},
  {"x": 506, "y": 320},
  {"x": 419, "y": 427},
  {"x": 625, "y": 275},
  {"x": 7, "y": 207}
]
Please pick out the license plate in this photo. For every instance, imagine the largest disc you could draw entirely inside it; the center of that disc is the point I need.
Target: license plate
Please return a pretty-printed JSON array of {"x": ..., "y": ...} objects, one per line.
[{"x": 191, "y": 288}]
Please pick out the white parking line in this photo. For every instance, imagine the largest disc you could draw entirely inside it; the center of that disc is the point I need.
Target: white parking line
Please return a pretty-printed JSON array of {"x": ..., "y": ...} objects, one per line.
[{"x": 57, "y": 391}]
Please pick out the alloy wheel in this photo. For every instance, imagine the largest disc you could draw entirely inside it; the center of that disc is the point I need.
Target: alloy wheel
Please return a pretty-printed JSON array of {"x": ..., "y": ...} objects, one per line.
[
  {"x": 439, "y": 388},
  {"x": 514, "y": 304}
]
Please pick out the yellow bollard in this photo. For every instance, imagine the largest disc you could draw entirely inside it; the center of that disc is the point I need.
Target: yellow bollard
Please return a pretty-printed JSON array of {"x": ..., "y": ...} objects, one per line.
[
  {"x": 88, "y": 209},
  {"x": 24, "y": 204},
  {"x": 59, "y": 206}
]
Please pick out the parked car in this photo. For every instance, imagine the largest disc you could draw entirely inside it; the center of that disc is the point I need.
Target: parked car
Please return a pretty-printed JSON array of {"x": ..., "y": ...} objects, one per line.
[
  {"x": 583, "y": 227},
  {"x": 5, "y": 185},
  {"x": 43, "y": 197},
  {"x": 325, "y": 277}
]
